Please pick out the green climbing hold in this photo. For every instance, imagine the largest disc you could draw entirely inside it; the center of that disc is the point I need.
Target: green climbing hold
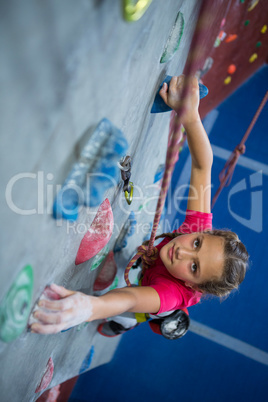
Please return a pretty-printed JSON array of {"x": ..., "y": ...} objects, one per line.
[
  {"x": 16, "y": 306},
  {"x": 246, "y": 23},
  {"x": 99, "y": 258},
  {"x": 258, "y": 44},
  {"x": 242, "y": 1},
  {"x": 114, "y": 284},
  {"x": 217, "y": 42},
  {"x": 174, "y": 39},
  {"x": 82, "y": 326}
]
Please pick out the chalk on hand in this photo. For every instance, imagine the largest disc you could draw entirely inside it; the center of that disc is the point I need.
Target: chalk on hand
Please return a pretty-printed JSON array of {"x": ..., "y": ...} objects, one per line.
[
  {"x": 48, "y": 294},
  {"x": 159, "y": 106}
]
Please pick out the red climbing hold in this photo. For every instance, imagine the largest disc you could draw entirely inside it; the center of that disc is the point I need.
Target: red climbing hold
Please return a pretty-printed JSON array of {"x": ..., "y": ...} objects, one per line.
[
  {"x": 98, "y": 235},
  {"x": 107, "y": 273},
  {"x": 47, "y": 377}
]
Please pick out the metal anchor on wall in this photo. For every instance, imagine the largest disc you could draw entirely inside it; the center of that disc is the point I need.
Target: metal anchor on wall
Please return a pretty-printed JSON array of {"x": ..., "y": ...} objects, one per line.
[{"x": 128, "y": 187}]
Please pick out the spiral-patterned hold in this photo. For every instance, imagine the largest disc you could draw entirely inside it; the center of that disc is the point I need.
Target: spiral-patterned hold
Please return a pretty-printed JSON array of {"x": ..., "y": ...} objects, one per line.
[{"x": 16, "y": 306}]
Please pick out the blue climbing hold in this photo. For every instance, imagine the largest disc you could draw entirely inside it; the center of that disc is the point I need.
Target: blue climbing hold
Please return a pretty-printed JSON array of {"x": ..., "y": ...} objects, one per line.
[
  {"x": 159, "y": 105},
  {"x": 132, "y": 224},
  {"x": 94, "y": 173},
  {"x": 67, "y": 202},
  {"x": 87, "y": 361},
  {"x": 159, "y": 173}
]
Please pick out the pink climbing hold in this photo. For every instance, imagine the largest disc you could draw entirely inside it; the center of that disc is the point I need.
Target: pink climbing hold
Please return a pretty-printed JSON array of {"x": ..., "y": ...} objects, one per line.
[
  {"x": 98, "y": 235},
  {"x": 107, "y": 273},
  {"x": 50, "y": 294},
  {"x": 223, "y": 22},
  {"x": 47, "y": 377}
]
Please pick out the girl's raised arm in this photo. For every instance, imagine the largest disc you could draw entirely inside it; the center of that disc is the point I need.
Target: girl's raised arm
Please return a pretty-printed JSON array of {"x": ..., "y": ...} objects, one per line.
[{"x": 199, "y": 198}]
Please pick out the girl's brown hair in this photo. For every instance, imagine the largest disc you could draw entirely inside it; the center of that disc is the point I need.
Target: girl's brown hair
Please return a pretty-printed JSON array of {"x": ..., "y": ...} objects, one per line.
[{"x": 235, "y": 263}]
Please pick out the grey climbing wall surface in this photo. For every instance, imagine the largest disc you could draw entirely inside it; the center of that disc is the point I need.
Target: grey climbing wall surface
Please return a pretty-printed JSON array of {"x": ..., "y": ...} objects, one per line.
[{"x": 65, "y": 65}]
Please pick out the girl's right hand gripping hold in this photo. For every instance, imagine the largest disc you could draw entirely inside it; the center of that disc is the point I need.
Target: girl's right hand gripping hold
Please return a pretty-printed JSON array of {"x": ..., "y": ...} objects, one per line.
[{"x": 73, "y": 308}]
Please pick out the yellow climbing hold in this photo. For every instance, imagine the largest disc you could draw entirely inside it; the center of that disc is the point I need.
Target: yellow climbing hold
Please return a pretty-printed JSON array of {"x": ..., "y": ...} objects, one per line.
[
  {"x": 253, "y": 4},
  {"x": 253, "y": 57},
  {"x": 264, "y": 29},
  {"x": 227, "y": 80},
  {"x": 134, "y": 10}
]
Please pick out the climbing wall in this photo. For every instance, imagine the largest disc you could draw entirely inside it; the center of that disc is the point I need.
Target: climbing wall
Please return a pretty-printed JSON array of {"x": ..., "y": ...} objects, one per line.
[
  {"x": 238, "y": 47},
  {"x": 78, "y": 80}
]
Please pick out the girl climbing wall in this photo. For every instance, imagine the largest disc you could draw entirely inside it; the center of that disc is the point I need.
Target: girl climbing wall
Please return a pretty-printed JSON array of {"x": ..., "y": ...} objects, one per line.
[{"x": 193, "y": 261}]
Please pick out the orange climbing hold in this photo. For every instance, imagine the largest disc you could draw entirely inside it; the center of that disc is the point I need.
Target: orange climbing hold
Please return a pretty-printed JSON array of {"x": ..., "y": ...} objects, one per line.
[
  {"x": 222, "y": 35},
  {"x": 231, "y": 38},
  {"x": 231, "y": 69},
  {"x": 98, "y": 234}
]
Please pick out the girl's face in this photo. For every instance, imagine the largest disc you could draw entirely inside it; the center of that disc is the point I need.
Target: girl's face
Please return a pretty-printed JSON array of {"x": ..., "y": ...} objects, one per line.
[{"x": 194, "y": 258}]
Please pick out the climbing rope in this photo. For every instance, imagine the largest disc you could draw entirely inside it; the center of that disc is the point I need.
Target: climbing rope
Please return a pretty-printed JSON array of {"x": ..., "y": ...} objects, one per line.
[
  {"x": 227, "y": 172},
  {"x": 194, "y": 61}
]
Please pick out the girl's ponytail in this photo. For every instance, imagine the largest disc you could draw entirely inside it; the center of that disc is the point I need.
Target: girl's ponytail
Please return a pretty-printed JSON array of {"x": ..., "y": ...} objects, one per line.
[{"x": 235, "y": 265}]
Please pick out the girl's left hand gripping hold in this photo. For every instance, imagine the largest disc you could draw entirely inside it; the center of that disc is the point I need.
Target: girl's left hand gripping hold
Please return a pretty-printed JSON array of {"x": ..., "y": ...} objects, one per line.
[
  {"x": 53, "y": 316},
  {"x": 172, "y": 96}
]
